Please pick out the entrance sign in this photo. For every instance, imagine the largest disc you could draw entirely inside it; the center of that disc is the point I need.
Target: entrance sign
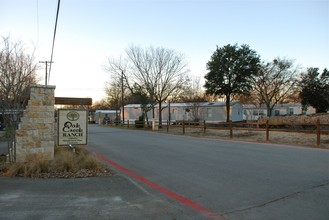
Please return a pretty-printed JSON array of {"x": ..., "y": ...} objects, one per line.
[{"x": 72, "y": 127}]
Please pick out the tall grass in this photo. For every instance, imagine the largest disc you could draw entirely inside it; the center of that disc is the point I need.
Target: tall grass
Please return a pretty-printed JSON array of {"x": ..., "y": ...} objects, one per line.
[{"x": 64, "y": 161}]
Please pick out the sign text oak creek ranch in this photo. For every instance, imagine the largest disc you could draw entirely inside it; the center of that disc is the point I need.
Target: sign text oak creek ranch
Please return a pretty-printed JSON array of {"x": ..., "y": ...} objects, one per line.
[
  {"x": 72, "y": 127},
  {"x": 70, "y": 130}
]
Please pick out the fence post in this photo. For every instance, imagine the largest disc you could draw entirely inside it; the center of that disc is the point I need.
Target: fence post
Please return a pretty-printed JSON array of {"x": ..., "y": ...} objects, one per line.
[
  {"x": 267, "y": 131},
  {"x": 318, "y": 132},
  {"x": 231, "y": 130},
  {"x": 183, "y": 126},
  {"x": 128, "y": 123},
  {"x": 204, "y": 127}
]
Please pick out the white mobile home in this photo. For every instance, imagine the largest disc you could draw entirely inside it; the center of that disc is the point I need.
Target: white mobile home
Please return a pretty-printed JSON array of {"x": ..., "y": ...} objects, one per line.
[
  {"x": 216, "y": 111},
  {"x": 253, "y": 112},
  {"x": 107, "y": 115},
  {"x": 133, "y": 111},
  {"x": 208, "y": 111}
]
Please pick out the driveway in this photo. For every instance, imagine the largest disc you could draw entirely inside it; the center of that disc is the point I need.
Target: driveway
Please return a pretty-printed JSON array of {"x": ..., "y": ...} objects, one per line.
[{"x": 236, "y": 180}]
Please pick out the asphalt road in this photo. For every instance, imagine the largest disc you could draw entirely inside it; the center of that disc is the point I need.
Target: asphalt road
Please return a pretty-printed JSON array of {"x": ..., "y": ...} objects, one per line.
[
  {"x": 101, "y": 198},
  {"x": 236, "y": 180}
]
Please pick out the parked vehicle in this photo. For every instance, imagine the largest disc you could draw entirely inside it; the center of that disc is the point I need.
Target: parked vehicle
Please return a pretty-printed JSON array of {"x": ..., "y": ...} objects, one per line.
[
  {"x": 2, "y": 126},
  {"x": 106, "y": 120}
]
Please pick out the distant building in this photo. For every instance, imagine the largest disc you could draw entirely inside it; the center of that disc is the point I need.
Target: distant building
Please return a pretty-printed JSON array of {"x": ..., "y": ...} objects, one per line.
[
  {"x": 208, "y": 111},
  {"x": 253, "y": 112},
  {"x": 10, "y": 115},
  {"x": 101, "y": 116}
]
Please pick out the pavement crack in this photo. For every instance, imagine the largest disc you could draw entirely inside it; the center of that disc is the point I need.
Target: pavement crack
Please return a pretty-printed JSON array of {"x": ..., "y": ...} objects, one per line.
[{"x": 276, "y": 200}]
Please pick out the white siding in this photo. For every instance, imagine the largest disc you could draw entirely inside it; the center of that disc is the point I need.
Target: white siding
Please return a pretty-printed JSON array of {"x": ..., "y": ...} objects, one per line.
[{"x": 209, "y": 111}]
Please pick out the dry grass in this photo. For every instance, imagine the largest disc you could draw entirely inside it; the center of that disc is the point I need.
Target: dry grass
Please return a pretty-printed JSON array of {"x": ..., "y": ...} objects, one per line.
[
  {"x": 35, "y": 166},
  {"x": 289, "y": 138},
  {"x": 66, "y": 164}
]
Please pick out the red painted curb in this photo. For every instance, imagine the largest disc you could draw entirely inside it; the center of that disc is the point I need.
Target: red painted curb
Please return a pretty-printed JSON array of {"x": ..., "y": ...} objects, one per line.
[{"x": 208, "y": 213}]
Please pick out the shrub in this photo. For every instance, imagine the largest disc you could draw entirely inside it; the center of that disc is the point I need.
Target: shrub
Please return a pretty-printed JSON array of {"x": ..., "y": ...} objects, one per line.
[
  {"x": 65, "y": 161},
  {"x": 139, "y": 124},
  {"x": 90, "y": 163}
]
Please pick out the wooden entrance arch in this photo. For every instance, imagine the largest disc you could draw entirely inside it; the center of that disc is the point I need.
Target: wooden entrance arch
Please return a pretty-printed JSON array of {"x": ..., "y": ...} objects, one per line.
[{"x": 73, "y": 101}]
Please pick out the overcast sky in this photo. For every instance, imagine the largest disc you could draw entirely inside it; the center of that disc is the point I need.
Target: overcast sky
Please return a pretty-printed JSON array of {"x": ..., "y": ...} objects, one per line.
[{"x": 90, "y": 31}]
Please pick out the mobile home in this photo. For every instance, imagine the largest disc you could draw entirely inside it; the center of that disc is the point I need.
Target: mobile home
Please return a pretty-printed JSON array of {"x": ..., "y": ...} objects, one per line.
[
  {"x": 106, "y": 115},
  {"x": 253, "y": 112},
  {"x": 208, "y": 111}
]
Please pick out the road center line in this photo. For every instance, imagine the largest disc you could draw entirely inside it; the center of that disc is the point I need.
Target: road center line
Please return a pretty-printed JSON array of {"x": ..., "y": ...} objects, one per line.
[{"x": 187, "y": 202}]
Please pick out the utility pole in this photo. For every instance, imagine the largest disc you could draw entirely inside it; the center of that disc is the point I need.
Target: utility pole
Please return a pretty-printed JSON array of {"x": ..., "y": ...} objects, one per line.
[
  {"x": 46, "y": 76},
  {"x": 122, "y": 99}
]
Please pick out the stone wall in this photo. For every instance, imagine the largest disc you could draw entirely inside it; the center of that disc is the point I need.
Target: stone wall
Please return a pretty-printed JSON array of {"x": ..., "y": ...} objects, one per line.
[{"x": 35, "y": 135}]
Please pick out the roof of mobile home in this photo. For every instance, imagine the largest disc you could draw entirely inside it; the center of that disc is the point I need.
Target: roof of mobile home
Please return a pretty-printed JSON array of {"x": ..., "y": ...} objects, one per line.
[
  {"x": 253, "y": 106},
  {"x": 105, "y": 111},
  {"x": 185, "y": 104}
]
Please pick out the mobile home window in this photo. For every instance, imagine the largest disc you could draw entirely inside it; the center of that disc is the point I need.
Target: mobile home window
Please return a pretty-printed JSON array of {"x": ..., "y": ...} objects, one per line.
[
  {"x": 258, "y": 112},
  {"x": 209, "y": 112},
  {"x": 291, "y": 111}
]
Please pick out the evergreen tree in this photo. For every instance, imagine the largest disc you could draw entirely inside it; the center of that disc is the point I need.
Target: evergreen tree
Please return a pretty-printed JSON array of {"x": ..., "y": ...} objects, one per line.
[
  {"x": 231, "y": 69},
  {"x": 315, "y": 89}
]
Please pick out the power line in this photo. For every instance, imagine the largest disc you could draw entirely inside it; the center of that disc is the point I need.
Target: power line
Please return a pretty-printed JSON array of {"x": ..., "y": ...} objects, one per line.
[
  {"x": 52, "y": 50},
  {"x": 37, "y": 21}
]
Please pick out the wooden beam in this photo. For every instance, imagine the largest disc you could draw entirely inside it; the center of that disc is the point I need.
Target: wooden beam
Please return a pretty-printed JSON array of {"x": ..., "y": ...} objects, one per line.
[{"x": 73, "y": 101}]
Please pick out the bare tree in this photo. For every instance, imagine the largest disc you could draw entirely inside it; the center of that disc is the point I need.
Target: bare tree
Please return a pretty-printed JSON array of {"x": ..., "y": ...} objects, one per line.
[
  {"x": 117, "y": 86},
  {"x": 275, "y": 82},
  {"x": 101, "y": 104},
  {"x": 114, "y": 95},
  {"x": 190, "y": 92},
  {"x": 195, "y": 97},
  {"x": 118, "y": 68},
  {"x": 247, "y": 99},
  {"x": 162, "y": 72},
  {"x": 17, "y": 73}
]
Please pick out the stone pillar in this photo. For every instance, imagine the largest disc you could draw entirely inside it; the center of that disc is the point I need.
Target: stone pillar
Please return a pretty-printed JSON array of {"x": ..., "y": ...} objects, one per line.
[{"x": 35, "y": 135}]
